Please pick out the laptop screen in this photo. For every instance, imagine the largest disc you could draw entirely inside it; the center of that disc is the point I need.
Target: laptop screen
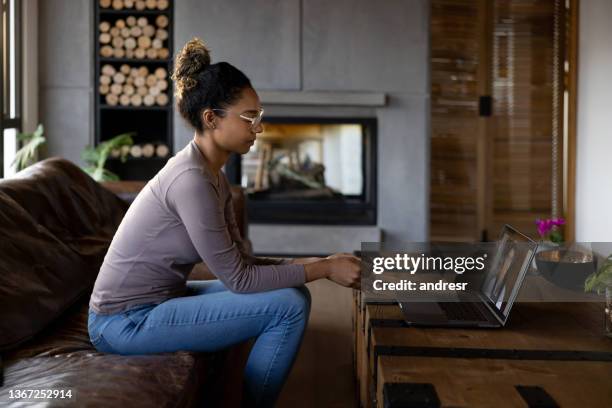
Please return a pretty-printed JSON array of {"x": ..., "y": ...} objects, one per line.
[{"x": 504, "y": 279}]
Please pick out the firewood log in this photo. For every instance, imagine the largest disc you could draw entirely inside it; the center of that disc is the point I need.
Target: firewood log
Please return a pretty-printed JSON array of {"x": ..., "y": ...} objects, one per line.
[
  {"x": 151, "y": 53},
  {"x": 162, "y": 4},
  {"x": 161, "y": 73},
  {"x": 154, "y": 91},
  {"x": 115, "y": 153},
  {"x": 129, "y": 80},
  {"x": 136, "y": 100},
  {"x": 144, "y": 42},
  {"x": 130, "y": 43},
  {"x": 140, "y": 53},
  {"x": 151, "y": 80},
  {"x": 124, "y": 100},
  {"x": 161, "y": 33},
  {"x": 105, "y": 3},
  {"x": 117, "y": 42},
  {"x": 163, "y": 53},
  {"x": 118, "y": 52},
  {"x": 105, "y": 38},
  {"x": 140, "y": 5},
  {"x": 142, "y": 22},
  {"x": 161, "y": 99},
  {"x": 129, "y": 53},
  {"x": 148, "y": 30},
  {"x": 139, "y": 81},
  {"x": 162, "y": 84},
  {"x": 151, "y": 4},
  {"x": 106, "y": 51},
  {"x": 118, "y": 4},
  {"x": 162, "y": 150},
  {"x": 104, "y": 26},
  {"x": 105, "y": 80},
  {"x": 116, "y": 89},
  {"x": 161, "y": 21},
  {"x": 111, "y": 99},
  {"x": 142, "y": 90},
  {"x": 108, "y": 69},
  {"x": 119, "y": 78},
  {"x": 148, "y": 100},
  {"x": 128, "y": 89},
  {"x": 136, "y": 31},
  {"x": 104, "y": 89},
  {"x": 126, "y": 32},
  {"x": 125, "y": 69},
  {"x": 157, "y": 44},
  {"x": 136, "y": 151},
  {"x": 120, "y": 23},
  {"x": 143, "y": 71},
  {"x": 125, "y": 150},
  {"x": 148, "y": 150},
  {"x": 128, "y": 4}
]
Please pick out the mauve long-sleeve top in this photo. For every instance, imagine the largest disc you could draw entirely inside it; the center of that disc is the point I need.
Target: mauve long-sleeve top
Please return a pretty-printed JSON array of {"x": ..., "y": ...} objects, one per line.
[{"x": 182, "y": 216}]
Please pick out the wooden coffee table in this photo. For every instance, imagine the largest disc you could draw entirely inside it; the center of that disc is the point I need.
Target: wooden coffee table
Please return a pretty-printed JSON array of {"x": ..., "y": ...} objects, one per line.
[{"x": 548, "y": 350}]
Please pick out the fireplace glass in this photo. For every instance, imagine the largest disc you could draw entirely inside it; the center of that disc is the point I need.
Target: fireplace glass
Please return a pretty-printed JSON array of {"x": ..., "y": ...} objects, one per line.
[{"x": 310, "y": 171}]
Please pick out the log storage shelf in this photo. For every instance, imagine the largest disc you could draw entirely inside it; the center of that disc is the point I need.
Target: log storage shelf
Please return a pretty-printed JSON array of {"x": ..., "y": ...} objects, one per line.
[{"x": 133, "y": 90}]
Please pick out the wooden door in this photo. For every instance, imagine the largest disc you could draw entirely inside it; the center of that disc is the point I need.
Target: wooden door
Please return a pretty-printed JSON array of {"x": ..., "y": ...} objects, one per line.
[{"x": 496, "y": 116}]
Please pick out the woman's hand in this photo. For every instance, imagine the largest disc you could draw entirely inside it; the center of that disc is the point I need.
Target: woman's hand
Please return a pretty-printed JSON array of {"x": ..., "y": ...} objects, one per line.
[{"x": 343, "y": 269}]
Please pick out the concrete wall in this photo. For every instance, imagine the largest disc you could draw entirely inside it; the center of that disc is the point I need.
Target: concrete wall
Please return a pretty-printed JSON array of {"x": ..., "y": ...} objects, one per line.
[
  {"x": 282, "y": 45},
  {"x": 65, "y": 69},
  {"x": 594, "y": 138},
  {"x": 339, "y": 46}
]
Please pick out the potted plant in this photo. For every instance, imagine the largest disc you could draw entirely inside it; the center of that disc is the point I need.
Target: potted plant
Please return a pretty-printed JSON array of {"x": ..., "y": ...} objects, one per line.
[
  {"x": 96, "y": 157},
  {"x": 601, "y": 282},
  {"x": 602, "y": 279},
  {"x": 28, "y": 154},
  {"x": 566, "y": 267},
  {"x": 550, "y": 230}
]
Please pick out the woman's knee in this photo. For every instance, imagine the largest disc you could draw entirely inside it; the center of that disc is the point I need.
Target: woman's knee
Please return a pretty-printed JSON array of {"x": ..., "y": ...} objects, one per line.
[{"x": 296, "y": 300}]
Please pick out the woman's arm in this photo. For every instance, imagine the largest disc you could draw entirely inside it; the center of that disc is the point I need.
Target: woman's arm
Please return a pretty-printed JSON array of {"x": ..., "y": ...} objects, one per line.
[
  {"x": 313, "y": 266},
  {"x": 197, "y": 204}
]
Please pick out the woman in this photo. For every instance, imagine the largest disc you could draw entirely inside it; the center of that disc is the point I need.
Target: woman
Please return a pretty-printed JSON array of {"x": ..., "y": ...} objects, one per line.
[{"x": 142, "y": 302}]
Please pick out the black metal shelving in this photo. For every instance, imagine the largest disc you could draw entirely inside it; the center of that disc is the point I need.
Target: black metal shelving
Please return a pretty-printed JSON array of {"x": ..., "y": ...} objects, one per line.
[{"x": 152, "y": 124}]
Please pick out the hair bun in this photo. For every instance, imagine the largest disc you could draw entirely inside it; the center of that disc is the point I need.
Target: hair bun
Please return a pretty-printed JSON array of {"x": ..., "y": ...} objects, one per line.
[{"x": 192, "y": 59}]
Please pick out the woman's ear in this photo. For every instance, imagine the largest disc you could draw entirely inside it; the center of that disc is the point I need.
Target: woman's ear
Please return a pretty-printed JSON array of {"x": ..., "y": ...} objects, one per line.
[{"x": 208, "y": 118}]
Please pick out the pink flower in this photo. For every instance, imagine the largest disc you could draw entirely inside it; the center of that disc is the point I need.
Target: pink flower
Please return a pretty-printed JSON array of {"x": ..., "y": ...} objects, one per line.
[{"x": 545, "y": 227}]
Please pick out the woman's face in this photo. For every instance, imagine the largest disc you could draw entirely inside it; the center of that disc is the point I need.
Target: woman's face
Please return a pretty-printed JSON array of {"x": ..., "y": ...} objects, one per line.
[{"x": 234, "y": 133}]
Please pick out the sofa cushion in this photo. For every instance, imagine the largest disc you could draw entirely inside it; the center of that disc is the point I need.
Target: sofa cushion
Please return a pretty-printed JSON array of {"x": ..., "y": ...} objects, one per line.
[
  {"x": 62, "y": 357},
  {"x": 39, "y": 275},
  {"x": 57, "y": 224},
  {"x": 62, "y": 198}
]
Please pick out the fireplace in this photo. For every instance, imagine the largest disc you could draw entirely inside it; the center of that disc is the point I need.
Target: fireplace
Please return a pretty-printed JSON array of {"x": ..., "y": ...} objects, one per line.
[{"x": 310, "y": 171}]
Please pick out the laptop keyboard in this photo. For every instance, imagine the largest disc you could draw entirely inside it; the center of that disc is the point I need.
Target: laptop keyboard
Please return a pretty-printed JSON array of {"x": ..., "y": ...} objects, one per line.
[{"x": 465, "y": 311}]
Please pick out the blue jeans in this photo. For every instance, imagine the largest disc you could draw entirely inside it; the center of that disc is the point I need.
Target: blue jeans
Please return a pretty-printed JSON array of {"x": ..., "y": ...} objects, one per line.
[{"x": 211, "y": 318}]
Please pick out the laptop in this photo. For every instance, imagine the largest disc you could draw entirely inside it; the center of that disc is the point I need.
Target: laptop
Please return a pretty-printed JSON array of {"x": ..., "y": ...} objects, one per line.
[{"x": 488, "y": 306}]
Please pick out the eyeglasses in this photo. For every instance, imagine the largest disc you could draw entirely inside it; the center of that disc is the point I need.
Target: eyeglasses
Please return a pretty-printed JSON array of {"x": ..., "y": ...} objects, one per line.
[{"x": 255, "y": 121}]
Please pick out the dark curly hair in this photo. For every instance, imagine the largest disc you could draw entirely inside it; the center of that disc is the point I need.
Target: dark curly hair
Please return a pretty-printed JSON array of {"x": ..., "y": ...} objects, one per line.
[{"x": 200, "y": 85}]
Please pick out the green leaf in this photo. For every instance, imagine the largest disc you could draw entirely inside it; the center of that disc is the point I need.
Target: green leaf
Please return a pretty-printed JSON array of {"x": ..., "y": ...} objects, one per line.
[
  {"x": 28, "y": 153},
  {"x": 96, "y": 157},
  {"x": 599, "y": 280},
  {"x": 556, "y": 236}
]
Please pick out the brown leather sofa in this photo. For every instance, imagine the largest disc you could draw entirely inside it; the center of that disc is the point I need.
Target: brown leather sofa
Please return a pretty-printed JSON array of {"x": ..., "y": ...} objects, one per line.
[{"x": 55, "y": 226}]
